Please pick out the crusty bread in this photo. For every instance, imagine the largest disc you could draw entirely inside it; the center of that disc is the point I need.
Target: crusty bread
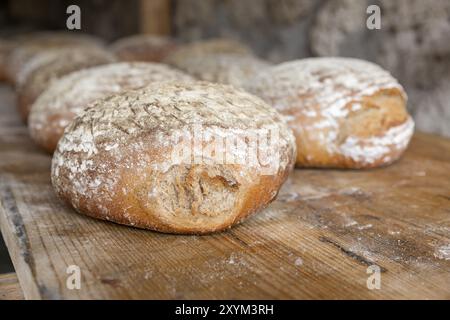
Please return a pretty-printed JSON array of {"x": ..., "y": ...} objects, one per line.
[
  {"x": 50, "y": 65},
  {"x": 122, "y": 159},
  {"x": 345, "y": 113},
  {"x": 226, "y": 68},
  {"x": 186, "y": 52},
  {"x": 67, "y": 97},
  {"x": 143, "y": 47},
  {"x": 28, "y": 45}
]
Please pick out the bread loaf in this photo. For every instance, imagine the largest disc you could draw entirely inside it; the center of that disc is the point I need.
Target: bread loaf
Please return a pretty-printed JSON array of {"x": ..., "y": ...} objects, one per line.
[
  {"x": 28, "y": 45},
  {"x": 176, "y": 158},
  {"x": 67, "y": 97},
  {"x": 345, "y": 113},
  {"x": 48, "y": 66},
  {"x": 148, "y": 48},
  {"x": 226, "y": 68},
  {"x": 186, "y": 52}
]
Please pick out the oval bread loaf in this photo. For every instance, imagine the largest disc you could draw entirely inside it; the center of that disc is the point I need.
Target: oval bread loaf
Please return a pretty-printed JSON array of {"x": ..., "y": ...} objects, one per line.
[
  {"x": 30, "y": 44},
  {"x": 147, "y": 48},
  {"x": 179, "y": 58},
  {"x": 226, "y": 68},
  {"x": 144, "y": 158},
  {"x": 49, "y": 66},
  {"x": 64, "y": 99},
  {"x": 345, "y": 113}
]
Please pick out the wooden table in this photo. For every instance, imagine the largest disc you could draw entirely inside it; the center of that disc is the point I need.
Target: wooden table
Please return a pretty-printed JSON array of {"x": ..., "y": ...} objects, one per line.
[{"x": 316, "y": 241}]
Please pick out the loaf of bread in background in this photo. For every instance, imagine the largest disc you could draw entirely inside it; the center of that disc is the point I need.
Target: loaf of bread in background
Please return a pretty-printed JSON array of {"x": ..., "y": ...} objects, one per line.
[
  {"x": 226, "y": 68},
  {"x": 50, "y": 65},
  {"x": 143, "y": 47},
  {"x": 131, "y": 158},
  {"x": 26, "y": 46},
  {"x": 188, "y": 51},
  {"x": 345, "y": 113},
  {"x": 66, "y": 98}
]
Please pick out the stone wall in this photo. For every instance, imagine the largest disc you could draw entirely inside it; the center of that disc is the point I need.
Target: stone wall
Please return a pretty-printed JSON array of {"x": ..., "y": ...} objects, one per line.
[{"x": 413, "y": 43}]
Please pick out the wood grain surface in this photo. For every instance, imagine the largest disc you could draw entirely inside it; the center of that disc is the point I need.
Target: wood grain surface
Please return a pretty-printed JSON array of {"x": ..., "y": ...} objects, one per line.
[
  {"x": 9, "y": 287},
  {"x": 315, "y": 242}
]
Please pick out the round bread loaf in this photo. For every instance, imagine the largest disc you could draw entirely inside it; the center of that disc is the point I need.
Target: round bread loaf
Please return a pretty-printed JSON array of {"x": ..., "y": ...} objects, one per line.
[
  {"x": 179, "y": 57},
  {"x": 48, "y": 66},
  {"x": 178, "y": 158},
  {"x": 148, "y": 48},
  {"x": 345, "y": 113},
  {"x": 30, "y": 44},
  {"x": 64, "y": 99},
  {"x": 226, "y": 68}
]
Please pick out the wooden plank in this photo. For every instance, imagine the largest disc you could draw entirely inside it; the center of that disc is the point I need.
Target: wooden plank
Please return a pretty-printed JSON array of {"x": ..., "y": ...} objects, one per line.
[
  {"x": 155, "y": 17},
  {"x": 316, "y": 241},
  {"x": 9, "y": 287}
]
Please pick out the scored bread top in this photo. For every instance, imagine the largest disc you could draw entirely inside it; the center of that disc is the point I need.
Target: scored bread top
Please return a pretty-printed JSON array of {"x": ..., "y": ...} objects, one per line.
[
  {"x": 64, "y": 99},
  {"x": 134, "y": 130},
  {"x": 74, "y": 91},
  {"x": 345, "y": 105},
  {"x": 325, "y": 84},
  {"x": 54, "y": 63},
  {"x": 118, "y": 119}
]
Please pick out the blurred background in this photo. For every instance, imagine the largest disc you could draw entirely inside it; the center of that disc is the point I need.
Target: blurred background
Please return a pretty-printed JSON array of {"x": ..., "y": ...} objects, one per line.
[{"x": 413, "y": 42}]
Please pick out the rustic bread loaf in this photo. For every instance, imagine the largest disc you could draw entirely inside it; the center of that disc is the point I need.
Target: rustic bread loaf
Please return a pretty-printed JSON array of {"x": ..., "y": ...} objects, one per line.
[
  {"x": 227, "y": 68},
  {"x": 345, "y": 113},
  {"x": 64, "y": 99},
  {"x": 50, "y": 65},
  {"x": 30, "y": 44},
  {"x": 145, "y": 158},
  {"x": 185, "y": 52},
  {"x": 148, "y": 48}
]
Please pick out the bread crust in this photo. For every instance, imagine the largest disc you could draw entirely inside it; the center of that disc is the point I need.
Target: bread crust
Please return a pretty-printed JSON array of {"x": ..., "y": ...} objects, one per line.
[
  {"x": 228, "y": 68},
  {"x": 345, "y": 113},
  {"x": 115, "y": 161},
  {"x": 147, "y": 48},
  {"x": 48, "y": 66},
  {"x": 26, "y": 46},
  {"x": 64, "y": 99},
  {"x": 180, "y": 57}
]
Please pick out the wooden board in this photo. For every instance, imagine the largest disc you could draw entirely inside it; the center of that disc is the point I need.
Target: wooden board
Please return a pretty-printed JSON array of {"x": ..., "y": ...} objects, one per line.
[
  {"x": 9, "y": 287},
  {"x": 316, "y": 241}
]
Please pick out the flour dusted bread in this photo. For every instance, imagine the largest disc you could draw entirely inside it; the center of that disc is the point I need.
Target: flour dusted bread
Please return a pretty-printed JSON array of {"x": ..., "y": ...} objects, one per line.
[
  {"x": 227, "y": 68},
  {"x": 67, "y": 97},
  {"x": 144, "y": 158},
  {"x": 184, "y": 53},
  {"x": 345, "y": 113},
  {"x": 148, "y": 48},
  {"x": 49, "y": 66},
  {"x": 26, "y": 46}
]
